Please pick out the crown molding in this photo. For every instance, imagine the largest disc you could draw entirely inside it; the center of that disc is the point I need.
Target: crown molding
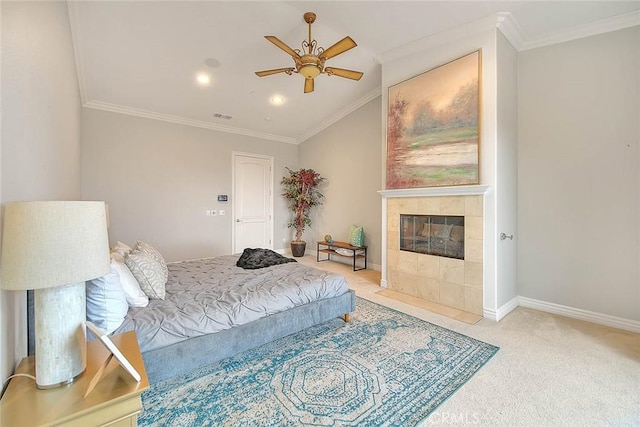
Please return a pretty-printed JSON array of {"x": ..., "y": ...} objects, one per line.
[
  {"x": 444, "y": 37},
  {"x": 614, "y": 23},
  {"x": 342, "y": 113},
  {"x": 75, "y": 24},
  {"x": 508, "y": 26},
  {"x": 122, "y": 109},
  {"x": 105, "y": 106}
]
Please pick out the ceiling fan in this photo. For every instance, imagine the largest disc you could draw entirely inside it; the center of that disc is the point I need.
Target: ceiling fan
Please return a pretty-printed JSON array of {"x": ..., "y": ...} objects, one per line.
[{"x": 310, "y": 60}]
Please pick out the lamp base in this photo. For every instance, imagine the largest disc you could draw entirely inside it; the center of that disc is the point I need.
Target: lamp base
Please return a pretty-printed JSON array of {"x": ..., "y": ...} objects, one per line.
[{"x": 61, "y": 340}]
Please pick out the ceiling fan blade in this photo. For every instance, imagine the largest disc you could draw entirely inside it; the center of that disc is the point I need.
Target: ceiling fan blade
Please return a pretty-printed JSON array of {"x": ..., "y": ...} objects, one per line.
[
  {"x": 274, "y": 71},
  {"x": 282, "y": 45},
  {"x": 341, "y": 72},
  {"x": 342, "y": 46},
  {"x": 308, "y": 85}
]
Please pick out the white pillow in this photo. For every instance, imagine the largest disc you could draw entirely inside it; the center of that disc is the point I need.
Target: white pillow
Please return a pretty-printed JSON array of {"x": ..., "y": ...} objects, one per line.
[
  {"x": 106, "y": 302},
  {"x": 135, "y": 296},
  {"x": 148, "y": 272}
]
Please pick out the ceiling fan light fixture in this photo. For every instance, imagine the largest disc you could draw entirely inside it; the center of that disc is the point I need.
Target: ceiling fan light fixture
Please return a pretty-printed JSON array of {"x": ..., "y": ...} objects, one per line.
[
  {"x": 309, "y": 60},
  {"x": 309, "y": 71}
]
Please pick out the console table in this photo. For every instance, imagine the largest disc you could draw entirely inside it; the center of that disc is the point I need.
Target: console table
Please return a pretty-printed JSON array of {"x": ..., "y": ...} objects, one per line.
[
  {"x": 330, "y": 249},
  {"x": 115, "y": 400}
]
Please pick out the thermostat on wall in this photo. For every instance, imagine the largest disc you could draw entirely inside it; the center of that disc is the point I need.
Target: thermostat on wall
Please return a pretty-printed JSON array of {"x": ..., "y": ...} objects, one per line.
[{"x": 222, "y": 197}]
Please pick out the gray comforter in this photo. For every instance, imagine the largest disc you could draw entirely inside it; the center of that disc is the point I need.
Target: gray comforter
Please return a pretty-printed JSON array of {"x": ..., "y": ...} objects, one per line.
[{"x": 209, "y": 295}]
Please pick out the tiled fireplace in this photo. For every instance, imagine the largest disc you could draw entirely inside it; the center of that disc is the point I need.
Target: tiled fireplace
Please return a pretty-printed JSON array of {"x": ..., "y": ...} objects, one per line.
[{"x": 446, "y": 280}]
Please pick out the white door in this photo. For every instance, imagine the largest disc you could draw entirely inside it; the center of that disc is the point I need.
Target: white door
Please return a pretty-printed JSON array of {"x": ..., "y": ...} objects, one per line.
[{"x": 252, "y": 201}]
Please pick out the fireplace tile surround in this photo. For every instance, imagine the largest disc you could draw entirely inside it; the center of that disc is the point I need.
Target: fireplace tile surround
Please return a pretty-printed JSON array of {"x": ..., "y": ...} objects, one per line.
[{"x": 452, "y": 282}]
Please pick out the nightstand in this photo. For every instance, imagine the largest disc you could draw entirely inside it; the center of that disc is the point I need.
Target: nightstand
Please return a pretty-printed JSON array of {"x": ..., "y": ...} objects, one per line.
[{"x": 115, "y": 400}]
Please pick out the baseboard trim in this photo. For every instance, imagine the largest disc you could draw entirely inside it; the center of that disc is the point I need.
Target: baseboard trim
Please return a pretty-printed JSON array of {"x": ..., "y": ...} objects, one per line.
[
  {"x": 548, "y": 307},
  {"x": 577, "y": 313},
  {"x": 502, "y": 311}
]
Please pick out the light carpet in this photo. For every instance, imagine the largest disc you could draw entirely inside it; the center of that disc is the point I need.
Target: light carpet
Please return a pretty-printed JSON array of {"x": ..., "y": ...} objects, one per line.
[{"x": 383, "y": 368}]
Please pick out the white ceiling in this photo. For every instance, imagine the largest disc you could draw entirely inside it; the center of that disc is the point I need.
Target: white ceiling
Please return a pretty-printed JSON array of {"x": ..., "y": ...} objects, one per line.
[{"x": 142, "y": 57}]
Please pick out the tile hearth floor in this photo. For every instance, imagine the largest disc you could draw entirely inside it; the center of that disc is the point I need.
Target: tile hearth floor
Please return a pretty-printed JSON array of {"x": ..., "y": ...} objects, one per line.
[{"x": 366, "y": 284}]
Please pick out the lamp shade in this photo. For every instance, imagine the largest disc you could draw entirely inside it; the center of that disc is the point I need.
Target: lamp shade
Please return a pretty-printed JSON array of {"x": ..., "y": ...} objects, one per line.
[{"x": 48, "y": 244}]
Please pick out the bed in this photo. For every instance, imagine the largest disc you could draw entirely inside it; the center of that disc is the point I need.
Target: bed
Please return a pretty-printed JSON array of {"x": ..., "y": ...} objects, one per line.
[{"x": 214, "y": 309}]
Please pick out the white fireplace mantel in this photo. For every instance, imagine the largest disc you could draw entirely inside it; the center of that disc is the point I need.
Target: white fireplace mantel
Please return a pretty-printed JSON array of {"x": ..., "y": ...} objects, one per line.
[{"x": 461, "y": 190}]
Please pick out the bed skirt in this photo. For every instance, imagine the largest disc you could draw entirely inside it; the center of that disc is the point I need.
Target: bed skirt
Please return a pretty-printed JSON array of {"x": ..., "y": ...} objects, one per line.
[{"x": 194, "y": 353}]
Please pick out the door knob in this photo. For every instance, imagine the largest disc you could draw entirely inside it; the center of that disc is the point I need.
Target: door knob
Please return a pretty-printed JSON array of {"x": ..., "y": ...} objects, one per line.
[
  {"x": 238, "y": 220},
  {"x": 504, "y": 236}
]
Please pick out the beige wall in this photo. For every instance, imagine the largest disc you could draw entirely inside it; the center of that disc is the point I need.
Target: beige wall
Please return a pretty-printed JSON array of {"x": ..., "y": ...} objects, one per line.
[
  {"x": 40, "y": 131},
  {"x": 158, "y": 179},
  {"x": 348, "y": 155},
  {"x": 578, "y": 174}
]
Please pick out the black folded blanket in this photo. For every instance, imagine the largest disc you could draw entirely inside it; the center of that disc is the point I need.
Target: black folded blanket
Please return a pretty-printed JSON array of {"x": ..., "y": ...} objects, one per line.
[{"x": 260, "y": 258}]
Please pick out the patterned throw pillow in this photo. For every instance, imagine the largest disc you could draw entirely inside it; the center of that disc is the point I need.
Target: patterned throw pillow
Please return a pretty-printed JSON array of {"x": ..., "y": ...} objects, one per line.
[
  {"x": 152, "y": 252},
  {"x": 356, "y": 235},
  {"x": 149, "y": 273}
]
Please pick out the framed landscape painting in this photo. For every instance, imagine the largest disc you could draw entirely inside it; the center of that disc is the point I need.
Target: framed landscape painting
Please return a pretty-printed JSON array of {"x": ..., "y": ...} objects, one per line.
[{"x": 433, "y": 127}]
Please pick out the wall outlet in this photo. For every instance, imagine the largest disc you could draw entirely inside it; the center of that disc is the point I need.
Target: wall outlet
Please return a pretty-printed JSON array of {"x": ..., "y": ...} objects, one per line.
[{"x": 223, "y": 212}]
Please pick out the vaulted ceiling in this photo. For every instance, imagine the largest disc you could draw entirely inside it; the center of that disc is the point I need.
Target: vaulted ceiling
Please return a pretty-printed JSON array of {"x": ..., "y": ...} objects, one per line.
[{"x": 143, "y": 57}]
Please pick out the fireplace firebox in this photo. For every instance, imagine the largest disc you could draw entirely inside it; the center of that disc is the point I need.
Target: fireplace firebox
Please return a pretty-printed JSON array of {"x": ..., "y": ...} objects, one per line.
[{"x": 433, "y": 234}]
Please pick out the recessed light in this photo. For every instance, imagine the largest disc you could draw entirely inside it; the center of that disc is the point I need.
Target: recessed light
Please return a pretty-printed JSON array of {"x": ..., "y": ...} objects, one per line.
[
  {"x": 203, "y": 79},
  {"x": 277, "y": 100}
]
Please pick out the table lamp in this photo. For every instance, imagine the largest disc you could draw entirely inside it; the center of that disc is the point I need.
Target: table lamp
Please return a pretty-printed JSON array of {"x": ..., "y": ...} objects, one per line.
[{"x": 53, "y": 248}]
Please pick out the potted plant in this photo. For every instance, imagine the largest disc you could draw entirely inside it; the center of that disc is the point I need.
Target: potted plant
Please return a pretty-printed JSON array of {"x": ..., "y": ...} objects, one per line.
[{"x": 301, "y": 191}]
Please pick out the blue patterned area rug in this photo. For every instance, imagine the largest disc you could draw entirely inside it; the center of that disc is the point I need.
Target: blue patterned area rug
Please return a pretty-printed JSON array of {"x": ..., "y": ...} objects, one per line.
[{"x": 383, "y": 368}]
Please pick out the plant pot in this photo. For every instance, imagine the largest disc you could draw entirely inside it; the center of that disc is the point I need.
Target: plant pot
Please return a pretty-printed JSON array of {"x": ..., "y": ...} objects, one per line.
[{"x": 298, "y": 248}]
